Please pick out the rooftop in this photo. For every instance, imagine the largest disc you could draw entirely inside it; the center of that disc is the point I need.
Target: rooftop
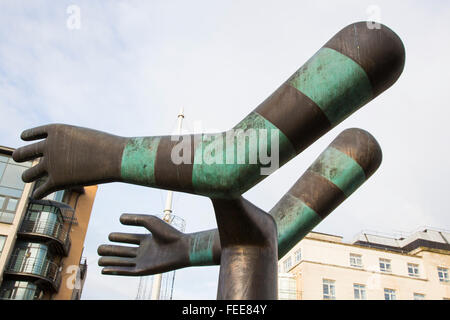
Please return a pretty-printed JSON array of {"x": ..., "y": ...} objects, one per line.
[{"x": 424, "y": 237}]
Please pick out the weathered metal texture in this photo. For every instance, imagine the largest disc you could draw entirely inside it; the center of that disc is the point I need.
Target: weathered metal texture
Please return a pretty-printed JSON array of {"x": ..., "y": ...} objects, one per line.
[
  {"x": 248, "y": 262},
  {"x": 342, "y": 168},
  {"x": 215, "y": 176},
  {"x": 164, "y": 249},
  {"x": 171, "y": 176},
  {"x": 204, "y": 248},
  {"x": 296, "y": 115},
  {"x": 246, "y": 249},
  {"x": 313, "y": 196},
  {"x": 352, "y": 68},
  {"x": 70, "y": 156},
  {"x": 380, "y": 52},
  {"x": 138, "y": 160}
]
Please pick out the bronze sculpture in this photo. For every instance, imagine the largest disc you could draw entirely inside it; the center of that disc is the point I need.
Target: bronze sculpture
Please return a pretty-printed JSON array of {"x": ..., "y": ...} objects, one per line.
[{"x": 355, "y": 66}]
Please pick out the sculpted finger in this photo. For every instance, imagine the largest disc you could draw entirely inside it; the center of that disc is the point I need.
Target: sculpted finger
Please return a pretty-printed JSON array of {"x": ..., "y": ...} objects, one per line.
[
  {"x": 29, "y": 152},
  {"x": 116, "y": 261},
  {"x": 121, "y": 271},
  {"x": 117, "y": 251},
  {"x": 159, "y": 228},
  {"x": 34, "y": 173},
  {"x": 35, "y": 133},
  {"x": 43, "y": 190},
  {"x": 132, "y": 238}
]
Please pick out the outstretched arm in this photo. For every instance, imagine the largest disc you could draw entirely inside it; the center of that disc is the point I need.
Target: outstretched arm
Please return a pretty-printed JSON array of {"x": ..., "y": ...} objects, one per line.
[
  {"x": 173, "y": 248},
  {"x": 344, "y": 165},
  {"x": 355, "y": 66}
]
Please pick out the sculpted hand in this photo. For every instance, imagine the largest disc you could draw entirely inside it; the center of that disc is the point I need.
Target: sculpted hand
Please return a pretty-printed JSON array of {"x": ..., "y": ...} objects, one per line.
[
  {"x": 163, "y": 250},
  {"x": 70, "y": 156}
]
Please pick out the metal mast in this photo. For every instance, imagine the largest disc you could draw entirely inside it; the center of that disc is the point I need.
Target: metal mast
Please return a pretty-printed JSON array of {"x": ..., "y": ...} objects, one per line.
[{"x": 179, "y": 224}]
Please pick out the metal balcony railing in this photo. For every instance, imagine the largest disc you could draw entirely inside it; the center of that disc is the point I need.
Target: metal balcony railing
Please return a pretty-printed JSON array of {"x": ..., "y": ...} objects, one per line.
[
  {"x": 83, "y": 267},
  {"x": 50, "y": 229},
  {"x": 20, "y": 293},
  {"x": 43, "y": 269}
]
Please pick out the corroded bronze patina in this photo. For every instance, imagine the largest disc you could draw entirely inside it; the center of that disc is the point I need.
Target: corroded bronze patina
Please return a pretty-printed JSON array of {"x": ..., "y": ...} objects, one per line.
[{"x": 350, "y": 70}]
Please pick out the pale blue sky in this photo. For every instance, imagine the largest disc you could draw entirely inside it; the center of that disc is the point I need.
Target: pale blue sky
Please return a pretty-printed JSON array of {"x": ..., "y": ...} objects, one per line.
[{"x": 133, "y": 64}]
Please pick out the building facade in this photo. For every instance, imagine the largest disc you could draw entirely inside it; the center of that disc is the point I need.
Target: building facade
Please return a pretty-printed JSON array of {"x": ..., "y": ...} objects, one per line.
[
  {"x": 41, "y": 241},
  {"x": 372, "y": 267}
]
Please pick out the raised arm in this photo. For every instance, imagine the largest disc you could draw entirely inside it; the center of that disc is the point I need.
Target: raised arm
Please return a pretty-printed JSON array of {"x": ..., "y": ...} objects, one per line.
[
  {"x": 338, "y": 171},
  {"x": 344, "y": 165},
  {"x": 351, "y": 69}
]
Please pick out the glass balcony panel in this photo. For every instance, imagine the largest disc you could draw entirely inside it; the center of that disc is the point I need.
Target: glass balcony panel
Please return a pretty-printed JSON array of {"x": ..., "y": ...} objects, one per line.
[
  {"x": 19, "y": 290},
  {"x": 40, "y": 267},
  {"x": 45, "y": 220}
]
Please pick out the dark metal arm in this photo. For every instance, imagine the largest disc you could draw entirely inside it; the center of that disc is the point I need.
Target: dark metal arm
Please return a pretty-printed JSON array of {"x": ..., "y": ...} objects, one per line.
[
  {"x": 344, "y": 165},
  {"x": 351, "y": 69}
]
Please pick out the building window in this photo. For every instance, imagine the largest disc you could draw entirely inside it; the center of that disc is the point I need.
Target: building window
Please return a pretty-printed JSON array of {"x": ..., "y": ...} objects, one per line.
[
  {"x": 355, "y": 260},
  {"x": 2, "y": 242},
  {"x": 11, "y": 187},
  {"x": 419, "y": 296},
  {"x": 389, "y": 294},
  {"x": 298, "y": 255},
  {"x": 287, "y": 264},
  {"x": 443, "y": 274},
  {"x": 359, "y": 291},
  {"x": 8, "y": 206},
  {"x": 329, "y": 291},
  {"x": 287, "y": 287},
  {"x": 413, "y": 270},
  {"x": 385, "y": 265}
]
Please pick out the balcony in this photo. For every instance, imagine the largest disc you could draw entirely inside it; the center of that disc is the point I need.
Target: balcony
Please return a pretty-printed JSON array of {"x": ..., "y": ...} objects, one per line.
[
  {"x": 47, "y": 230},
  {"x": 45, "y": 223},
  {"x": 42, "y": 272},
  {"x": 20, "y": 290}
]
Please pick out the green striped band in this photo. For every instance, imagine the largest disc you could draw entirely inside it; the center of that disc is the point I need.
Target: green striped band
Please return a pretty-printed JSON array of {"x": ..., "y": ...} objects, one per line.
[
  {"x": 224, "y": 163},
  {"x": 336, "y": 83},
  {"x": 138, "y": 160},
  {"x": 339, "y": 168},
  {"x": 201, "y": 248},
  {"x": 294, "y": 221}
]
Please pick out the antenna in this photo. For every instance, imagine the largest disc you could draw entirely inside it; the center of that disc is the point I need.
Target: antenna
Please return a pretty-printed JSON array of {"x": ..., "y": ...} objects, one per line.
[{"x": 167, "y": 279}]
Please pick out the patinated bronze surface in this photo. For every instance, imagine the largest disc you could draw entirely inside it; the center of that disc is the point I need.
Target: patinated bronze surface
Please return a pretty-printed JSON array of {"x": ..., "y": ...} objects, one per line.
[
  {"x": 351, "y": 69},
  {"x": 309, "y": 201}
]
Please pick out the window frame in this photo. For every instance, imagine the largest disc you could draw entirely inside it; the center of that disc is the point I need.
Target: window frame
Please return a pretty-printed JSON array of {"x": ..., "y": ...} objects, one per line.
[
  {"x": 444, "y": 271},
  {"x": 286, "y": 267},
  {"x": 2, "y": 242},
  {"x": 417, "y": 294},
  {"x": 358, "y": 258},
  {"x": 392, "y": 293},
  {"x": 331, "y": 288},
  {"x": 385, "y": 262},
  {"x": 11, "y": 191},
  {"x": 298, "y": 255},
  {"x": 414, "y": 267},
  {"x": 360, "y": 288},
  {"x": 4, "y": 211}
]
